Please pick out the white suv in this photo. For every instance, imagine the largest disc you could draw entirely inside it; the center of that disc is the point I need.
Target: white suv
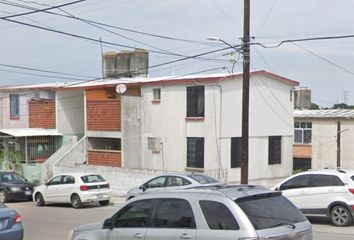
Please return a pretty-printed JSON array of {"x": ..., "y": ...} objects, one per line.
[{"x": 323, "y": 193}]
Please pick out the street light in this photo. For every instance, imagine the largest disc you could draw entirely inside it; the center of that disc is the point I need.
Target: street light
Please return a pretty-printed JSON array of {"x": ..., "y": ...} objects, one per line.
[{"x": 245, "y": 104}]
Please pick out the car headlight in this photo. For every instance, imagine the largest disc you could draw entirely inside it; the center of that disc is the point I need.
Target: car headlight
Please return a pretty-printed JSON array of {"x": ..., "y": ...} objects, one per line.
[{"x": 15, "y": 189}]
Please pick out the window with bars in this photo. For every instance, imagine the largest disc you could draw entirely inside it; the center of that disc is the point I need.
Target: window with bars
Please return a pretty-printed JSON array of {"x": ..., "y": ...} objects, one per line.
[
  {"x": 195, "y": 152},
  {"x": 157, "y": 94},
  {"x": 236, "y": 149},
  {"x": 195, "y": 101},
  {"x": 303, "y": 132},
  {"x": 274, "y": 150},
  {"x": 110, "y": 144}
]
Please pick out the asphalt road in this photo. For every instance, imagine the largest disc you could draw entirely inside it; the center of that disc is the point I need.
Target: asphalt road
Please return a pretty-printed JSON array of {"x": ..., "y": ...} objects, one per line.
[{"x": 55, "y": 222}]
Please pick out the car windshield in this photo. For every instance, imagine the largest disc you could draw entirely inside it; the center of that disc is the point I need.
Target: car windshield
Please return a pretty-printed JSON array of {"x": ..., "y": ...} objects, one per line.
[
  {"x": 266, "y": 211},
  {"x": 11, "y": 178},
  {"x": 92, "y": 178},
  {"x": 202, "y": 179}
]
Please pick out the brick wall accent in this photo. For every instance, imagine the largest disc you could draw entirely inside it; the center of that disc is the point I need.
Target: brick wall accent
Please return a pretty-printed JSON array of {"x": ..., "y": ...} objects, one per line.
[
  {"x": 302, "y": 151},
  {"x": 42, "y": 114},
  {"x": 104, "y": 115},
  {"x": 113, "y": 159}
]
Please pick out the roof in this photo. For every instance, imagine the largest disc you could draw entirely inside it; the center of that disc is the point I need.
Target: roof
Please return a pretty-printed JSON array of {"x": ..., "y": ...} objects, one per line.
[
  {"x": 29, "y": 132},
  {"x": 144, "y": 81},
  {"x": 324, "y": 114}
]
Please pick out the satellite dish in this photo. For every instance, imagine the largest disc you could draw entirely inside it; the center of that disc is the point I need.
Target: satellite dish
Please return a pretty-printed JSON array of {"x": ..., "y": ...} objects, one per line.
[{"x": 121, "y": 88}]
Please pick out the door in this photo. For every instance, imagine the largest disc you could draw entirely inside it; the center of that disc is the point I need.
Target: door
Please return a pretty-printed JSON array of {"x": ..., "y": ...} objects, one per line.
[
  {"x": 172, "y": 219},
  {"x": 221, "y": 223},
  {"x": 66, "y": 188},
  {"x": 51, "y": 192},
  {"x": 132, "y": 221},
  {"x": 295, "y": 189}
]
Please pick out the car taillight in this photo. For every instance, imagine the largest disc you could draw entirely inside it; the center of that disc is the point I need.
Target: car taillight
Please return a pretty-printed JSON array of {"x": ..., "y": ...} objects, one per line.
[
  {"x": 17, "y": 218},
  {"x": 83, "y": 188},
  {"x": 351, "y": 190}
]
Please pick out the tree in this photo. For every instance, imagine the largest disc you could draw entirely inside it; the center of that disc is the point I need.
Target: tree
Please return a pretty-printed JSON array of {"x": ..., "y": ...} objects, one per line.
[
  {"x": 314, "y": 106},
  {"x": 10, "y": 160}
]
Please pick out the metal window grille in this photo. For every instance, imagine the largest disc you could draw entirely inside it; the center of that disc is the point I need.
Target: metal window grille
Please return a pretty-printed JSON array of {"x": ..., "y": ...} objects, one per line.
[
  {"x": 303, "y": 132},
  {"x": 41, "y": 148}
]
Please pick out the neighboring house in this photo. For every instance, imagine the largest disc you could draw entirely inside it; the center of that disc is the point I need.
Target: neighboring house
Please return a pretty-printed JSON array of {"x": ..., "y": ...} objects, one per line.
[
  {"x": 190, "y": 123},
  {"x": 323, "y": 139}
]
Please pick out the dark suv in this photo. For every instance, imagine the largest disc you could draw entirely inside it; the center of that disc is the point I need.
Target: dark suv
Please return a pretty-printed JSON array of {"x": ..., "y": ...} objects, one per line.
[{"x": 14, "y": 187}]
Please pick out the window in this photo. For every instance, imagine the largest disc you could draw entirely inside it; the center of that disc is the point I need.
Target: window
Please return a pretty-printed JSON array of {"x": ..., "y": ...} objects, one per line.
[
  {"x": 195, "y": 101},
  {"x": 301, "y": 181},
  {"x": 236, "y": 152},
  {"x": 55, "y": 181},
  {"x": 41, "y": 148},
  {"x": 92, "y": 178},
  {"x": 302, "y": 163},
  {"x": 157, "y": 94},
  {"x": 156, "y": 182},
  {"x": 203, "y": 179},
  {"x": 68, "y": 179},
  {"x": 303, "y": 132},
  {"x": 14, "y": 106},
  {"x": 173, "y": 213},
  {"x": 218, "y": 216},
  {"x": 134, "y": 215},
  {"x": 195, "y": 152},
  {"x": 173, "y": 181},
  {"x": 318, "y": 180},
  {"x": 270, "y": 211},
  {"x": 110, "y": 144},
  {"x": 154, "y": 144},
  {"x": 274, "y": 150}
]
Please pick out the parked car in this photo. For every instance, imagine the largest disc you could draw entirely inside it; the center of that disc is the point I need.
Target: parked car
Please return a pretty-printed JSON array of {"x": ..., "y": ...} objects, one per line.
[
  {"x": 221, "y": 212},
  {"x": 74, "y": 188},
  {"x": 322, "y": 193},
  {"x": 172, "y": 182},
  {"x": 14, "y": 187},
  {"x": 10, "y": 224}
]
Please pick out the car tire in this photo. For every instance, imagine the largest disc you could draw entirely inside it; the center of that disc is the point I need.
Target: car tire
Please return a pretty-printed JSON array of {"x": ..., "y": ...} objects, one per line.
[
  {"x": 39, "y": 200},
  {"x": 104, "y": 203},
  {"x": 76, "y": 201},
  {"x": 341, "y": 216},
  {"x": 3, "y": 196}
]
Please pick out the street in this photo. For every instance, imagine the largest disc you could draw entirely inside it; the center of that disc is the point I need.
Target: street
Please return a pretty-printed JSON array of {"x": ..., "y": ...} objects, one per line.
[{"x": 54, "y": 222}]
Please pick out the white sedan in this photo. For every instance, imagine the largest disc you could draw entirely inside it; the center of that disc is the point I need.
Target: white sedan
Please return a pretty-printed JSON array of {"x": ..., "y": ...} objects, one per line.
[{"x": 74, "y": 188}]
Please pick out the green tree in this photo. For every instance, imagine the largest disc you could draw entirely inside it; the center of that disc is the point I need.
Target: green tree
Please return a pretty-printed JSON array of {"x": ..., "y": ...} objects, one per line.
[
  {"x": 10, "y": 161},
  {"x": 314, "y": 106}
]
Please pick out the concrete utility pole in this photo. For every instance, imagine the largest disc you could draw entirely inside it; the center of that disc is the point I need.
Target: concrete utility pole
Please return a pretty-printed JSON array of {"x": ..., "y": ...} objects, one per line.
[
  {"x": 245, "y": 92},
  {"x": 338, "y": 143}
]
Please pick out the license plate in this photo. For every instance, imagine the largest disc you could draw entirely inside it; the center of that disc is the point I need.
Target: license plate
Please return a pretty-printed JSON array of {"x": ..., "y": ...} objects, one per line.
[{"x": 28, "y": 193}]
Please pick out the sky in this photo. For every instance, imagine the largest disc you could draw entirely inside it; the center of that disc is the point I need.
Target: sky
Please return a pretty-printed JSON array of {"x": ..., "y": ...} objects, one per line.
[{"x": 324, "y": 66}]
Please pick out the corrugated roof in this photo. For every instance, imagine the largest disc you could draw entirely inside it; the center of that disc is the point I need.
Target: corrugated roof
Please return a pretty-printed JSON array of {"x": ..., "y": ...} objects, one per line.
[
  {"x": 329, "y": 113},
  {"x": 29, "y": 132}
]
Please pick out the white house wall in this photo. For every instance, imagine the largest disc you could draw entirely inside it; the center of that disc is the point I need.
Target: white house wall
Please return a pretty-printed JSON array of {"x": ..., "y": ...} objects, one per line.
[
  {"x": 70, "y": 112},
  {"x": 166, "y": 120}
]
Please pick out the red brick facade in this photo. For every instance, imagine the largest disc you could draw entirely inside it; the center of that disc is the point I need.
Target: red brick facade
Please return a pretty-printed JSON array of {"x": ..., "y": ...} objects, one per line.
[
  {"x": 104, "y": 115},
  {"x": 42, "y": 114},
  {"x": 113, "y": 159}
]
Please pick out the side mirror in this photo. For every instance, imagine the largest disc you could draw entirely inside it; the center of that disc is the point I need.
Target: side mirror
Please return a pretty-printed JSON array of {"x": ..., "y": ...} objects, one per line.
[
  {"x": 143, "y": 187},
  {"x": 108, "y": 224},
  {"x": 276, "y": 189}
]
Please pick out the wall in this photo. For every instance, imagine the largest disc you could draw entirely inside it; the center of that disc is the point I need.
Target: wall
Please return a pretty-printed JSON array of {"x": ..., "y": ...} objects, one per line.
[
  {"x": 302, "y": 151},
  {"x": 104, "y": 158},
  {"x": 22, "y": 122},
  {"x": 42, "y": 114},
  {"x": 271, "y": 114},
  {"x": 70, "y": 112}
]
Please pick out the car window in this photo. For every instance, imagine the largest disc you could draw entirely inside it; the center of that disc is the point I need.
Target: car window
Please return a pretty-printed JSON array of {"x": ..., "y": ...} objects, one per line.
[
  {"x": 156, "y": 182},
  {"x": 173, "y": 213},
  {"x": 173, "y": 181},
  {"x": 11, "y": 178},
  {"x": 93, "y": 178},
  {"x": 68, "y": 179},
  {"x": 202, "y": 178},
  {"x": 266, "y": 211},
  {"x": 55, "y": 181},
  {"x": 134, "y": 215},
  {"x": 218, "y": 216},
  {"x": 321, "y": 180},
  {"x": 296, "y": 182}
]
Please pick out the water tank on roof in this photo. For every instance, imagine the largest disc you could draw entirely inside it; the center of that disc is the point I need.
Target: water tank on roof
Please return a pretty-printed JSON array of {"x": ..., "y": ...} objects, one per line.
[
  {"x": 123, "y": 64},
  {"x": 302, "y": 98},
  {"x": 109, "y": 64},
  {"x": 139, "y": 63}
]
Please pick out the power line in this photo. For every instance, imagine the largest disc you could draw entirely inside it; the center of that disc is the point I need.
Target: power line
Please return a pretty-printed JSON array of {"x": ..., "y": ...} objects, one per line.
[{"x": 267, "y": 16}]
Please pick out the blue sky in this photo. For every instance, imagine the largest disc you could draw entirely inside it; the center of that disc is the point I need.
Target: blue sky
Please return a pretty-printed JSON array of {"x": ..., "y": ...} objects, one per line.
[{"x": 328, "y": 74}]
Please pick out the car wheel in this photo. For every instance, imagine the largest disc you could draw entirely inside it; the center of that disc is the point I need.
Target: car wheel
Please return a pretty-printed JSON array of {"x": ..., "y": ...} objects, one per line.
[
  {"x": 76, "y": 201},
  {"x": 104, "y": 203},
  {"x": 340, "y": 216},
  {"x": 39, "y": 200},
  {"x": 3, "y": 196}
]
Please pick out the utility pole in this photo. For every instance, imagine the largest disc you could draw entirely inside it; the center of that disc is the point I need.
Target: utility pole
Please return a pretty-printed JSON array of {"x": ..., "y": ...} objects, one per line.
[
  {"x": 338, "y": 143},
  {"x": 245, "y": 92}
]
